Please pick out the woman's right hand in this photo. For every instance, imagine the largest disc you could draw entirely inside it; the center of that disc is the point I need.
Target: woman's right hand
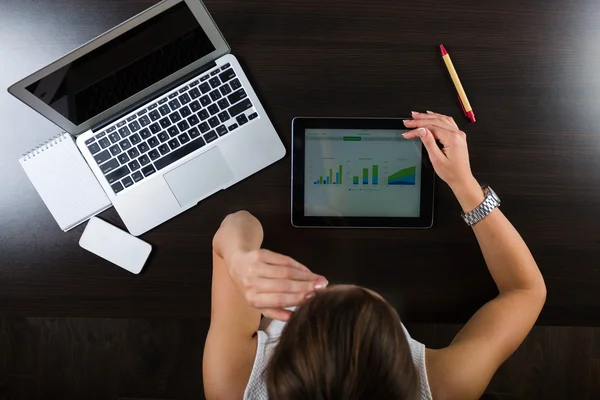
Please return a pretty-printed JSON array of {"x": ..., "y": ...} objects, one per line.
[{"x": 452, "y": 162}]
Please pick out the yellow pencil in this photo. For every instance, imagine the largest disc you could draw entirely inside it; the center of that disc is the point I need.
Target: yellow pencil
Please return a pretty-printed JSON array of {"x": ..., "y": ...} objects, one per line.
[{"x": 462, "y": 96}]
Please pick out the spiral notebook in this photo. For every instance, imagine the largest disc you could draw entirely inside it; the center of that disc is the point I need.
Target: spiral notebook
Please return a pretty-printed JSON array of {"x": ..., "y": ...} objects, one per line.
[{"x": 64, "y": 181}]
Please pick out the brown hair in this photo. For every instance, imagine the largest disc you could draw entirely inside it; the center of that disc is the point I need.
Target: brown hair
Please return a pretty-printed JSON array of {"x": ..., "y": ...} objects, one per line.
[{"x": 343, "y": 344}]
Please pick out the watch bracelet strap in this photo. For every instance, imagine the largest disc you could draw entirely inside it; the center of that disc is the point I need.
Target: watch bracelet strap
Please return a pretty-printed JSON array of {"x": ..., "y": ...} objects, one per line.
[{"x": 480, "y": 212}]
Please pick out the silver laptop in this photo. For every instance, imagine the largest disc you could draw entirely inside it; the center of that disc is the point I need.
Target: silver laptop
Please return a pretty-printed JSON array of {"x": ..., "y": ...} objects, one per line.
[{"x": 163, "y": 114}]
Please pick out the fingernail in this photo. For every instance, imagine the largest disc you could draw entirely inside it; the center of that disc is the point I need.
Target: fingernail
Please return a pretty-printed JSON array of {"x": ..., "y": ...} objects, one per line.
[
  {"x": 308, "y": 296},
  {"x": 406, "y": 120},
  {"x": 429, "y": 112},
  {"x": 404, "y": 135},
  {"x": 321, "y": 284},
  {"x": 422, "y": 132},
  {"x": 414, "y": 113}
]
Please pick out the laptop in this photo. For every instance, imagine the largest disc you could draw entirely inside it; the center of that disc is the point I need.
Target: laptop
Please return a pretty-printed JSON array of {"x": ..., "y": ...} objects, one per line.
[{"x": 163, "y": 113}]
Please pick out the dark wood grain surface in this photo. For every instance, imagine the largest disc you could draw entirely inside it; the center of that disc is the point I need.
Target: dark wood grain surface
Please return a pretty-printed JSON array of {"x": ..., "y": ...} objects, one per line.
[{"x": 530, "y": 69}]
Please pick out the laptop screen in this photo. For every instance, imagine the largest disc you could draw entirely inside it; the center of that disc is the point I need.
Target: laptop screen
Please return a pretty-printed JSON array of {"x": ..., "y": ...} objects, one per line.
[{"x": 124, "y": 66}]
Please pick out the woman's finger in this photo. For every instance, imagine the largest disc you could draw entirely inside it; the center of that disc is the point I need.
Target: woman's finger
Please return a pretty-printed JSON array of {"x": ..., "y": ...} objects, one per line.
[
  {"x": 440, "y": 131},
  {"x": 277, "y": 300},
  {"x": 270, "y": 257},
  {"x": 445, "y": 117},
  {"x": 285, "y": 272},
  {"x": 429, "y": 120},
  {"x": 436, "y": 156},
  {"x": 284, "y": 286}
]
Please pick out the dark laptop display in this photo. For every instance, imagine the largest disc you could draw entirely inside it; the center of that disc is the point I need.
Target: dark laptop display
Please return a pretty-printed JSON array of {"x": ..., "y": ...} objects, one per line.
[{"x": 125, "y": 66}]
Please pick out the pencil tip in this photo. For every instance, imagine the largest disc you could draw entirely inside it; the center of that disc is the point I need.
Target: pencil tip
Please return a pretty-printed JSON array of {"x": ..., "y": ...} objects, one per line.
[{"x": 443, "y": 50}]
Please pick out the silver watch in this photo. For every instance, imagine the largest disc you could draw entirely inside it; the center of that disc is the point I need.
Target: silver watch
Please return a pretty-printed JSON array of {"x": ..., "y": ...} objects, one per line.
[{"x": 490, "y": 202}]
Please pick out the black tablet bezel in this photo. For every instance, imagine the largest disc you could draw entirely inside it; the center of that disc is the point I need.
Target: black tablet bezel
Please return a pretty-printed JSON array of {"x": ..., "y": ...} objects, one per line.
[{"x": 299, "y": 126}]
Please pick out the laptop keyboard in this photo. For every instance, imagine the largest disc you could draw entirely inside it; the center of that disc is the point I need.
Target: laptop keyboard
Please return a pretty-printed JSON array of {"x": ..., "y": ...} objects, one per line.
[{"x": 172, "y": 127}]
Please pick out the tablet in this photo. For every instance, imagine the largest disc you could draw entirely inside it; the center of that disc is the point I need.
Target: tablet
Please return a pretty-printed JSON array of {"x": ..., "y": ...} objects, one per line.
[{"x": 359, "y": 172}]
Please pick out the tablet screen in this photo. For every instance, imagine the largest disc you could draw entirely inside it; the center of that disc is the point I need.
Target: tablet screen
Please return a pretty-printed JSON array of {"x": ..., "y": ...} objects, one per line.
[{"x": 361, "y": 173}]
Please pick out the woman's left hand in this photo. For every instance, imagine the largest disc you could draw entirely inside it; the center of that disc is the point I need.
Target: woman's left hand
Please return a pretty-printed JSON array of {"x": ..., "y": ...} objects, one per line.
[{"x": 270, "y": 281}]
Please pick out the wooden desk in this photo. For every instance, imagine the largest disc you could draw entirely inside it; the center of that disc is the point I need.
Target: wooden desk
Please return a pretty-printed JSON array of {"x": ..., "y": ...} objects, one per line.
[{"x": 531, "y": 72}]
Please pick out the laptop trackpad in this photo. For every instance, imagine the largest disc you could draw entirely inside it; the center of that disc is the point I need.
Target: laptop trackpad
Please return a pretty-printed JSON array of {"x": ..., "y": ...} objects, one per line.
[{"x": 199, "y": 178}]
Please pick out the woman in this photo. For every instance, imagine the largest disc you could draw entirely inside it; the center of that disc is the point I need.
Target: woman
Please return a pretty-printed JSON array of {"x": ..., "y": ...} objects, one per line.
[{"x": 346, "y": 342}]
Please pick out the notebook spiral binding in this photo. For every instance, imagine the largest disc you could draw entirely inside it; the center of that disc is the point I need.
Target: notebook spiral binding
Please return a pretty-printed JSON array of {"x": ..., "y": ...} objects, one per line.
[{"x": 44, "y": 146}]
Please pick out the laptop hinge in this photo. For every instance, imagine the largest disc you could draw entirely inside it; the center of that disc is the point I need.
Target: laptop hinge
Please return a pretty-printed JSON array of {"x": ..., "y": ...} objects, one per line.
[{"x": 153, "y": 96}]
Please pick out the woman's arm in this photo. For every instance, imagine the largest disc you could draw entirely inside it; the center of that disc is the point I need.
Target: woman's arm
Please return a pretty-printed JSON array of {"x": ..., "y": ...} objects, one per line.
[
  {"x": 464, "y": 369},
  {"x": 247, "y": 281}
]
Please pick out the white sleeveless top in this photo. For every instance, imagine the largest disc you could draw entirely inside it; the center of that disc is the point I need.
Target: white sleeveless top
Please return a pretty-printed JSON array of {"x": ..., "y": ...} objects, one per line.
[{"x": 268, "y": 337}]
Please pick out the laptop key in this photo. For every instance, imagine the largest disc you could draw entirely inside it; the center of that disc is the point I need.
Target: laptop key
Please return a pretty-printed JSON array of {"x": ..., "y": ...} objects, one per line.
[
  {"x": 195, "y": 93},
  {"x": 210, "y": 136},
  {"x": 183, "y": 126},
  {"x": 204, "y": 88},
  {"x": 241, "y": 119},
  {"x": 142, "y": 148},
  {"x": 109, "y": 130},
  {"x": 183, "y": 138},
  {"x": 122, "y": 123},
  {"x": 124, "y": 132},
  {"x": 213, "y": 109},
  {"x": 183, "y": 89},
  {"x": 144, "y": 111},
  {"x": 102, "y": 157},
  {"x": 164, "y": 149},
  {"x": 221, "y": 130},
  {"x": 240, "y": 107},
  {"x": 104, "y": 143},
  {"x": 232, "y": 127},
  {"x": 125, "y": 144},
  {"x": 135, "y": 126},
  {"x": 135, "y": 139},
  {"x": 153, "y": 142},
  {"x": 225, "y": 89},
  {"x": 154, "y": 115},
  {"x": 224, "y": 67},
  {"x": 164, "y": 110},
  {"x": 203, "y": 115},
  {"x": 165, "y": 122},
  {"x": 227, "y": 75},
  {"x": 195, "y": 106},
  {"x": 131, "y": 118},
  {"x": 252, "y": 116},
  {"x": 117, "y": 187},
  {"x": 163, "y": 100},
  {"x": 174, "y": 104},
  {"x": 179, "y": 153},
  {"x": 94, "y": 148},
  {"x": 237, "y": 96},
  {"x": 145, "y": 133},
  {"x": 204, "y": 127},
  {"x": 144, "y": 160},
  {"x": 224, "y": 116},
  {"x": 133, "y": 152},
  {"x": 173, "y": 131},
  {"x": 137, "y": 176},
  {"x": 215, "y": 95},
  {"x": 153, "y": 106},
  {"x": 173, "y": 144},
  {"x": 195, "y": 83},
  {"x": 175, "y": 117},
  {"x": 115, "y": 150},
  {"x": 155, "y": 128},
  {"x": 215, "y": 82},
  {"x": 114, "y": 137},
  {"x": 163, "y": 137},
  {"x": 194, "y": 133},
  {"x": 149, "y": 170},
  {"x": 185, "y": 112},
  {"x": 109, "y": 166},
  {"x": 204, "y": 78},
  {"x": 101, "y": 135},
  {"x": 134, "y": 165},
  {"x": 144, "y": 121},
  {"x": 123, "y": 159},
  {"x": 127, "y": 181},
  {"x": 215, "y": 72},
  {"x": 118, "y": 174},
  {"x": 90, "y": 140},
  {"x": 223, "y": 104},
  {"x": 214, "y": 122},
  {"x": 235, "y": 84},
  {"x": 154, "y": 155},
  {"x": 173, "y": 95},
  {"x": 205, "y": 100},
  {"x": 193, "y": 120},
  {"x": 184, "y": 99}
]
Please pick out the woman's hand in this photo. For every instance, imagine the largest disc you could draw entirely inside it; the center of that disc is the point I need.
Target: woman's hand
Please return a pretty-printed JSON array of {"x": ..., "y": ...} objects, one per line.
[
  {"x": 452, "y": 162},
  {"x": 270, "y": 281}
]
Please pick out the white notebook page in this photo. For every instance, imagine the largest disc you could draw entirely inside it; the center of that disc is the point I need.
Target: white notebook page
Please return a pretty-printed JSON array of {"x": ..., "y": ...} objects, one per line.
[{"x": 64, "y": 181}]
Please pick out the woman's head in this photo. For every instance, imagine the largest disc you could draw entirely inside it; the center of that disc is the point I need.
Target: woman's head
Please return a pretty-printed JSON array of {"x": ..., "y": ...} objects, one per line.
[{"x": 344, "y": 343}]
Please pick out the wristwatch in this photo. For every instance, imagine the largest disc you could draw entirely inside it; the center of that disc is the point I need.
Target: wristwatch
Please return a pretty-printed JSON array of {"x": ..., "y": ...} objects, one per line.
[{"x": 490, "y": 202}]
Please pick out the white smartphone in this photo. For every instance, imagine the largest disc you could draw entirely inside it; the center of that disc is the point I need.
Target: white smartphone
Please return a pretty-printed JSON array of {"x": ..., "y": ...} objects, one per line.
[{"x": 115, "y": 245}]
